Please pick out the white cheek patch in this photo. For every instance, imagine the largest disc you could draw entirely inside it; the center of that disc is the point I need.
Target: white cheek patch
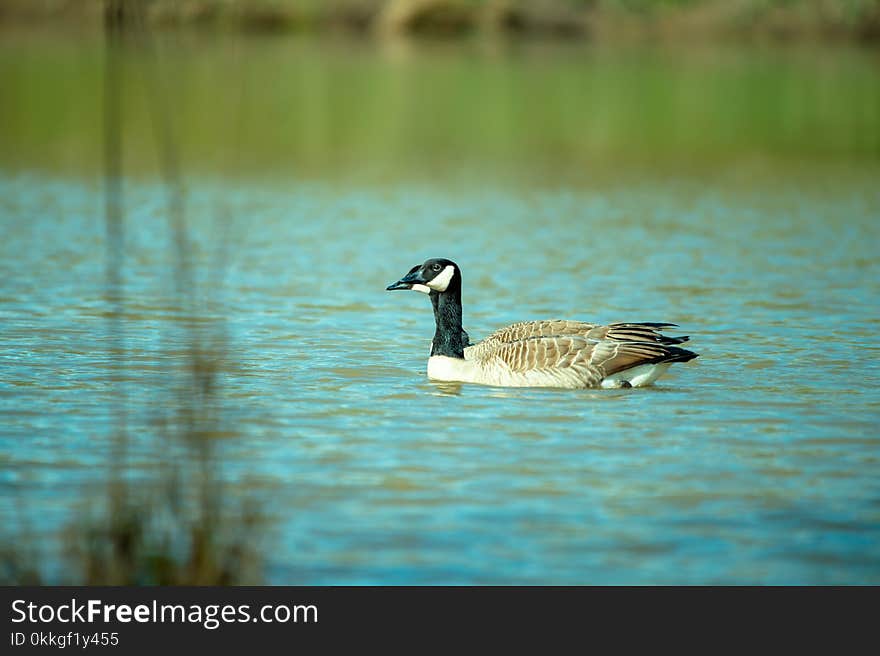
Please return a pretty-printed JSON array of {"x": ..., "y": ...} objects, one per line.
[
  {"x": 421, "y": 288},
  {"x": 441, "y": 280}
]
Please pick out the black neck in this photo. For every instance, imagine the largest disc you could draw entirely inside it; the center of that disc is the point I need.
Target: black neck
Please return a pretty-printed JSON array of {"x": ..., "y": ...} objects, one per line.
[{"x": 448, "y": 336}]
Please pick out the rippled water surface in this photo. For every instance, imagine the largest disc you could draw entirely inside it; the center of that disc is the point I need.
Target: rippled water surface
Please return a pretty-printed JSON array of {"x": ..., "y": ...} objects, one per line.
[{"x": 756, "y": 463}]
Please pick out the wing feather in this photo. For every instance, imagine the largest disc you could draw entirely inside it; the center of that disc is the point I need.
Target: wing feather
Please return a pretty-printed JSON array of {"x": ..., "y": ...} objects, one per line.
[
  {"x": 575, "y": 348},
  {"x": 551, "y": 327}
]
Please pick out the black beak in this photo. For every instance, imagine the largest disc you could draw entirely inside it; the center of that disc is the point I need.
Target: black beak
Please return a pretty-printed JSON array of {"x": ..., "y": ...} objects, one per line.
[{"x": 412, "y": 278}]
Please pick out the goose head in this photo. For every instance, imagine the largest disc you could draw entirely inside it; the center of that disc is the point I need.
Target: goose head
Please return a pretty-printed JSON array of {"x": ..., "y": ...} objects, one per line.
[{"x": 435, "y": 275}]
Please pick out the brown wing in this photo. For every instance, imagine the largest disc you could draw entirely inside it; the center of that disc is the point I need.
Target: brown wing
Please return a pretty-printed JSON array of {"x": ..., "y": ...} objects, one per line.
[
  {"x": 561, "y": 353},
  {"x": 542, "y": 328},
  {"x": 619, "y": 332},
  {"x": 624, "y": 332},
  {"x": 592, "y": 360},
  {"x": 539, "y": 352},
  {"x": 610, "y": 356},
  {"x": 636, "y": 332}
]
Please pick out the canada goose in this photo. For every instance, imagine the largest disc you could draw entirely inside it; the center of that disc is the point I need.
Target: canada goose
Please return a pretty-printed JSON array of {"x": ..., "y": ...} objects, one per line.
[{"x": 550, "y": 353}]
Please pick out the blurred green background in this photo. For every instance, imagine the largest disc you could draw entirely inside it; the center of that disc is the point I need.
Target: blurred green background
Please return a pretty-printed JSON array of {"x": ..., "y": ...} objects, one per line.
[{"x": 318, "y": 92}]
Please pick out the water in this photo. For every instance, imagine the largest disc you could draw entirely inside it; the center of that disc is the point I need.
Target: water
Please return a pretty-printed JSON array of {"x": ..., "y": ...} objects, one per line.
[{"x": 756, "y": 463}]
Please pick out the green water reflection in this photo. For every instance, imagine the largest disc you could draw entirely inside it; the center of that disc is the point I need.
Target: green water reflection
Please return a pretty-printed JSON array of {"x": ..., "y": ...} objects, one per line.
[{"x": 293, "y": 107}]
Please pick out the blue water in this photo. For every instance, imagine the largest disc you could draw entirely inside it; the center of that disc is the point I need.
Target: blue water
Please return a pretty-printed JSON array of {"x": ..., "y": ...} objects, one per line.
[{"x": 756, "y": 463}]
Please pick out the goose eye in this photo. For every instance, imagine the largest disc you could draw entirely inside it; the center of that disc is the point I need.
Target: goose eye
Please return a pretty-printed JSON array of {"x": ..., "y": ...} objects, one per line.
[{"x": 436, "y": 267}]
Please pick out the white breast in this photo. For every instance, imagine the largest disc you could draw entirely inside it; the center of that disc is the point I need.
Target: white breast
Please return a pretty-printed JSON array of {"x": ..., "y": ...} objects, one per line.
[{"x": 441, "y": 367}]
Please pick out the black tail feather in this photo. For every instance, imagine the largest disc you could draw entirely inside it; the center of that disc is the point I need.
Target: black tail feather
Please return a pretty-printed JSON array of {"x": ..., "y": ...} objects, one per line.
[{"x": 678, "y": 355}]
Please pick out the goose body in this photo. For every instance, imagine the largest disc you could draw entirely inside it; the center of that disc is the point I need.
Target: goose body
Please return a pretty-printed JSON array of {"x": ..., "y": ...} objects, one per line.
[{"x": 546, "y": 353}]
